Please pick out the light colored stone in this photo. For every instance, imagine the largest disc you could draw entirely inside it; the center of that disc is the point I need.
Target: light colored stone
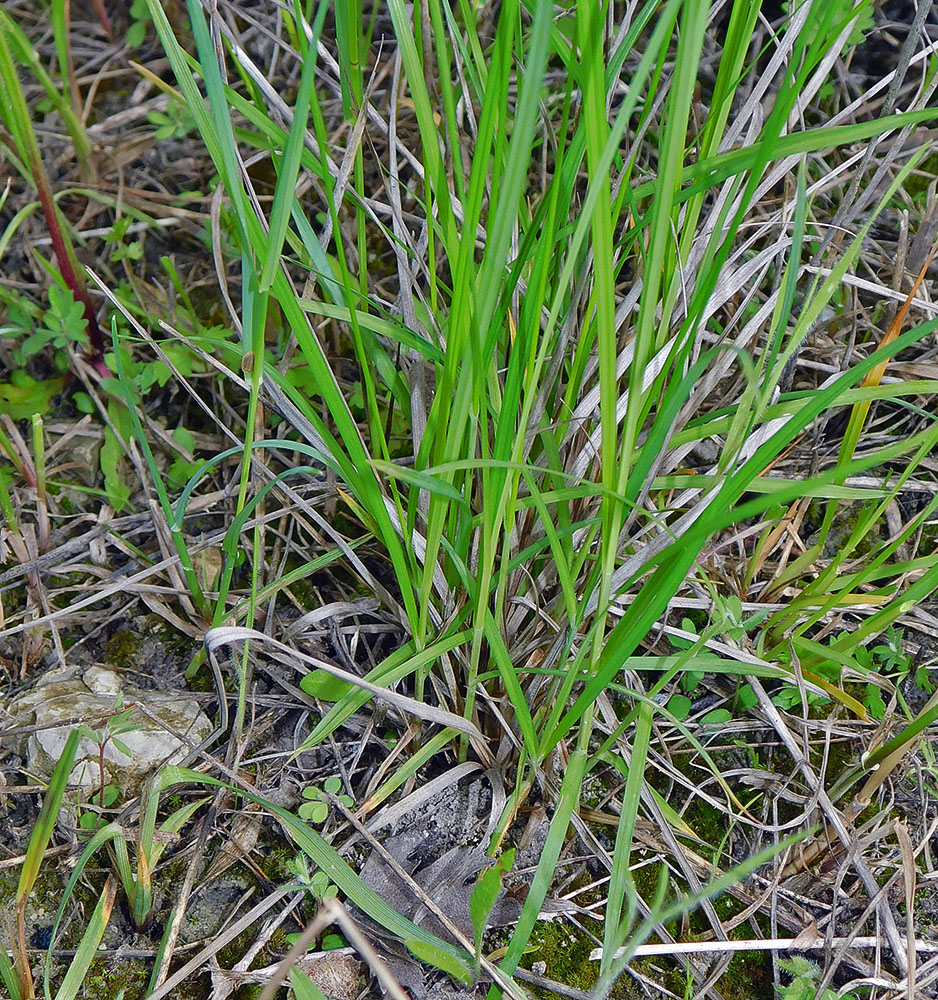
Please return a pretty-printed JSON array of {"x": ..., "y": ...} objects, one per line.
[
  {"x": 61, "y": 697},
  {"x": 102, "y": 681}
]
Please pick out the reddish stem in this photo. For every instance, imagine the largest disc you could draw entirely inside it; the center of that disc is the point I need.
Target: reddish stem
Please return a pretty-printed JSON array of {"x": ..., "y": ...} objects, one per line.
[
  {"x": 23, "y": 972},
  {"x": 73, "y": 279},
  {"x": 101, "y": 773},
  {"x": 103, "y": 18}
]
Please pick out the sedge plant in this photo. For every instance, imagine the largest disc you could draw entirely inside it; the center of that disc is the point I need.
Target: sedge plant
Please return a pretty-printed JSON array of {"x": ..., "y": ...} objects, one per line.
[
  {"x": 517, "y": 445},
  {"x": 135, "y": 877}
]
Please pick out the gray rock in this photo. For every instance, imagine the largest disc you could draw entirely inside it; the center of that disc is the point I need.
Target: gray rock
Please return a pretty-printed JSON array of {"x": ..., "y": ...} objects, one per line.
[{"x": 162, "y": 735}]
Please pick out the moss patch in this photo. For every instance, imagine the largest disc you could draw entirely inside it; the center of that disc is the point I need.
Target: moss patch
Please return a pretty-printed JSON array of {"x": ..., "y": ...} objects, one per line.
[
  {"x": 566, "y": 953},
  {"x": 122, "y": 649}
]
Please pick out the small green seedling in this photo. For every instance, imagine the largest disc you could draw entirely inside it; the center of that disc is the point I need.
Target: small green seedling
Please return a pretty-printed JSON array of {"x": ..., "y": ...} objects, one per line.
[
  {"x": 689, "y": 678},
  {"x": 789, "y": 695},
  {"x": 315, "y": 808},
  {"x": 63, "y": 323},
  {"x": 804, "y": 982},
  {"x": 887, "y": 659},
  {"x": 121, "y": 250},
  {"x": 316, "y": 883},
  {"x": 118, "y": 724},
  {"x": 176, "y": 122}
]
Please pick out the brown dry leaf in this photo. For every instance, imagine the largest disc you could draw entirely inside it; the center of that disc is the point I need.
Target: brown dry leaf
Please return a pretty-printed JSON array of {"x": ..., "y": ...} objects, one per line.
[
  {"x": 207, "y": 565},
  {"x": 339, "y": 974},
  {"x": 158, "y": 606},
  {"x": 807, "y": 937},
  {"x": 245, "y": 830},
  {"x": 908, "y": 874}
]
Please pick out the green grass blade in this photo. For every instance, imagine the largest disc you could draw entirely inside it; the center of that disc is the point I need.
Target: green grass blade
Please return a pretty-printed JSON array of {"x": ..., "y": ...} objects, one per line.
[
  {"x": 285, "y": 191},
  {"x": 620, "y": 881},
  {"x": 550, "y": 854},
  {"x": 45, "y": 823},
  {"x": 673, "y": 564},
  {"x": 87, "y": 950},
  {"x": 8, "y": 975}
]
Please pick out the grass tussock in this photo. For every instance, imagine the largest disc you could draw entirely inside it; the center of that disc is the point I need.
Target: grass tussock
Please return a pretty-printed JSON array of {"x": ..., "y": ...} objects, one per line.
[{"x": 518, "y": 418}]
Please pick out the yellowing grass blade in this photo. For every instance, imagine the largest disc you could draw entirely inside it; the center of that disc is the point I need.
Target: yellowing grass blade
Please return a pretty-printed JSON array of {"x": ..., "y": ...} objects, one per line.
[{"x": 874, "y": 377}]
